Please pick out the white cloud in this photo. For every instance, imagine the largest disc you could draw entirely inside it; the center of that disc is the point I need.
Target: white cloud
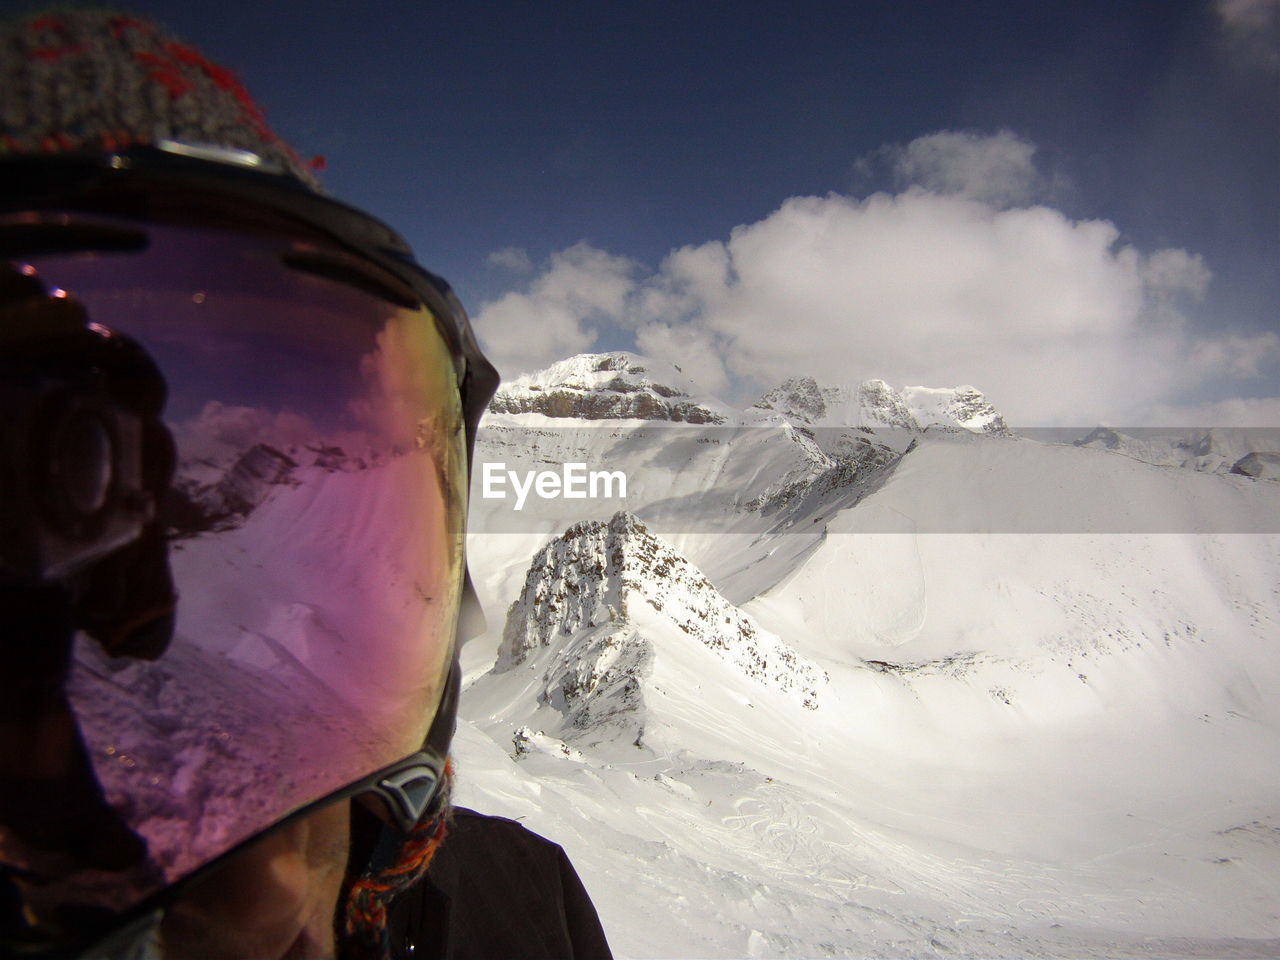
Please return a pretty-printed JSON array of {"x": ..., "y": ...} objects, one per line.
[
  {"x": 1251, "y": 14},
  {"x": 514, "y": 259},
  {"x": 1055, "y": 319},
  {"x": 401, "y": 369},
  {"x": 1235, "y": 412},
  {"x": 1170, "y": 273},
  {"x": 1252, "y": 28},
  {"x": 996, "y": 169},
  {"x": 693, "y": 348},
  {"x": 556, "y": 317},
  {"x": 1234, "y": 356},
  {"x": 221, "y": 430},
  {"x": 1042, "y": 312}
]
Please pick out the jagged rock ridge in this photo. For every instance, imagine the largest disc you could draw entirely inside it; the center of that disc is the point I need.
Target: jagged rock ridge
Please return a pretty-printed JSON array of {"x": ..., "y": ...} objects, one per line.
[
  {"x": 212, "y": 495},
  {"x": 861, "y": 430},
  {"x": 861, "y": 460},
  {"x": 797, "y": 398},
  {"x": 880, "y": 405},
  {"x": 207, "y": 496},
  {"x": 876, "y": 405},
  {"x": 604, "y": 594},
  {"x": 607, "y": 386},
  {"x": 1260, "y": 466}
]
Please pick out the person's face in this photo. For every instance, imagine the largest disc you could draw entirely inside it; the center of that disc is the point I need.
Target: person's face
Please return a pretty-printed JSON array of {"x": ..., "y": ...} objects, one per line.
[{"x": 273, "y": 901}]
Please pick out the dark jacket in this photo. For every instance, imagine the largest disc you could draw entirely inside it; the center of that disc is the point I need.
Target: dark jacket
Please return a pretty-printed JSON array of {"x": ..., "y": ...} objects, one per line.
[{"x": 496, "y": 891}]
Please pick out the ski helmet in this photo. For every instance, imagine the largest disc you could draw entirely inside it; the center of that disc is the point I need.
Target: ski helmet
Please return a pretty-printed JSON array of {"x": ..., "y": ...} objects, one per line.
[{"x": 233, "y": 479}]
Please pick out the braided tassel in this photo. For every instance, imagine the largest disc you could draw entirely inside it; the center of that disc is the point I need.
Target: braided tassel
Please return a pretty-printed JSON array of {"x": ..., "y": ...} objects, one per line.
[{"x": 370, "y": 895}]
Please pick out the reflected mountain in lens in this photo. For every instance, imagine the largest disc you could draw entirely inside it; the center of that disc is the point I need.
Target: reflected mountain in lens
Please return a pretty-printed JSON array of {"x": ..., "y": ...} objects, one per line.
[
  {"x": 209, "y": 494},
  {"x": 296, "y": 570}
]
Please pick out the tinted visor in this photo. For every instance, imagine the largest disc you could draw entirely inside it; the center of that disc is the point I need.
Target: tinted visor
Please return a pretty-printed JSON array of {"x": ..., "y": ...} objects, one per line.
[{"x": 233, "y": 489}]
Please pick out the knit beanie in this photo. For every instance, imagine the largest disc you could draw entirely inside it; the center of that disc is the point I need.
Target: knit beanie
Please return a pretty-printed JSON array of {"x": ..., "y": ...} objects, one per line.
[{"x": 102, "y": 80}]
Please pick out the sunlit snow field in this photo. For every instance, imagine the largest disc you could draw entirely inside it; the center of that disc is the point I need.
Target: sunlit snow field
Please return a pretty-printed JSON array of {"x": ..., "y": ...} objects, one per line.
[{"x": 1058, "y": 743}]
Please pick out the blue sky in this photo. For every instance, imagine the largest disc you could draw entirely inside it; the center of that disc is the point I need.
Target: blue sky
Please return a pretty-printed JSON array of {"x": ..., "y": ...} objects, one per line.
[{"x": 587, "y": 141}]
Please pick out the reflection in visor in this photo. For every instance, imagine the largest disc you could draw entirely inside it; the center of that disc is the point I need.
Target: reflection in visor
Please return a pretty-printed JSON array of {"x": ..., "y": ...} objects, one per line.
[{"x": 312, "y": 531}]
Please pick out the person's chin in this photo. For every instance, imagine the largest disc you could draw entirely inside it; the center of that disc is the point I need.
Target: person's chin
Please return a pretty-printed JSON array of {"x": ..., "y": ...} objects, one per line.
[
  {"x": 275, "y": 900},
  {"x": 307, "y": 947}
]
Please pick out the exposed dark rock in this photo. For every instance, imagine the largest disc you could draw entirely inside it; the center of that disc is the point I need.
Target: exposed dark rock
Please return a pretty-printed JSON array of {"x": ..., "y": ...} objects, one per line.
[{"x": 1260, "y": 466}]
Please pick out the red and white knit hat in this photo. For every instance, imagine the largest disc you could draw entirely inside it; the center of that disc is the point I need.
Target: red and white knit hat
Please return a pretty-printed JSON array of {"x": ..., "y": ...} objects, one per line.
[{"x": 101, "y": 80}]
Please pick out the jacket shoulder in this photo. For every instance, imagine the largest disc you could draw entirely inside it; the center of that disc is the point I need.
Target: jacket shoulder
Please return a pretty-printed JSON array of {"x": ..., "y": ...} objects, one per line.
[{"x": 496, "y": 888}]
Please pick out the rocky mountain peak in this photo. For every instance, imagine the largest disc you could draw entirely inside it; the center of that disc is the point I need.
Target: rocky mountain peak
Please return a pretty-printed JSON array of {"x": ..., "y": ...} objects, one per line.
[
  {"x": 1101, "y": 437},
  {"x": 207, "y": 495},
  {"x": 964, "y": 407},
  {"x": 605, "y": 386},
  {"x": 798, "y": 398},
  {"x": 875, "y": 405},
  {"x": 620, "y": 360},
  {"x": 1260, "y": 466},
  {"x": 880, "y": 405},
  {"x": 605, "y": 587}
]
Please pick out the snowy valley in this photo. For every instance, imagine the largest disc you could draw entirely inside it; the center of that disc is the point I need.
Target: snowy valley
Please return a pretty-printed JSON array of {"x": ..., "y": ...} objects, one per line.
[{"x": 861, "y": 672}]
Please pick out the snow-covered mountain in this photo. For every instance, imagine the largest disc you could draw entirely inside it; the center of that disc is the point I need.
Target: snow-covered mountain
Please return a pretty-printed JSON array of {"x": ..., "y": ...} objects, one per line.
[
  {"x": 267, "y": 659},
  {"x": 693, "y": 464},
  {"x": 963, "y": 407},
  {"x": 604, "y": 386},
  {"x": 1042, "y": 686},
  {"x": 612, "y": 597},
  {"x": 1209, "y": 450},
  {"x": 875, "y": 404},
  {"x": 800, "y": 398},
  {"x": 210, "y": 493},
  {"x": 625, "y": 386}
]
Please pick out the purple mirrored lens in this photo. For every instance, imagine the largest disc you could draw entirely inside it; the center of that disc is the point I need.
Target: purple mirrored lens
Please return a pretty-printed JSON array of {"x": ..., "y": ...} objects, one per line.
[{"x": 247, "y": 594}]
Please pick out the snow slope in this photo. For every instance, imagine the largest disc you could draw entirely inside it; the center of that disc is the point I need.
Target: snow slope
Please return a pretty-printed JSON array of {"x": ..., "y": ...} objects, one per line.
[{"x": 1047, "y": 722}]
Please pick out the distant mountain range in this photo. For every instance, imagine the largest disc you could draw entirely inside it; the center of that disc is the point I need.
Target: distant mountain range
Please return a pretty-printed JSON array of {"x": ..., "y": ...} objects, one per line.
[
  {"x": 876, "y": 404},
  {"x": 1249, "y": 452},
  {"x": 622, "y": 386}
]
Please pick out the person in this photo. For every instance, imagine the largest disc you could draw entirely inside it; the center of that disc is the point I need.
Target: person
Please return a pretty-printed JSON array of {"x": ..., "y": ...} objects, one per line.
[{"x": 233, "y": 480}]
